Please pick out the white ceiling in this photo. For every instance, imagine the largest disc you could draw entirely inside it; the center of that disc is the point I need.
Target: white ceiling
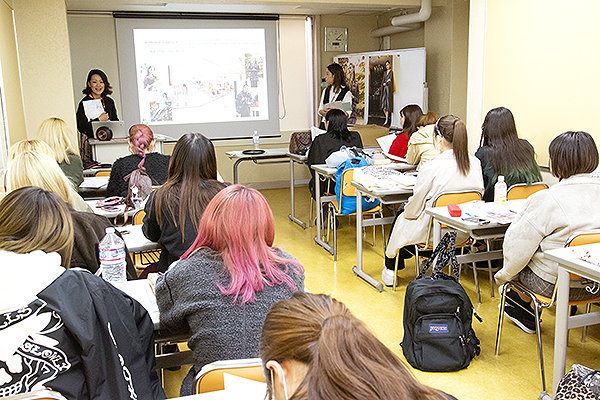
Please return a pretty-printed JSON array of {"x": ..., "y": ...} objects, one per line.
[{"x": 351, "y": 7}]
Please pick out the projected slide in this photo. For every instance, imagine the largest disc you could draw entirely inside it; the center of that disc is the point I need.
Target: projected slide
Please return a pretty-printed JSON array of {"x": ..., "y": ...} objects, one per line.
[{"x": 187, "y": 76}]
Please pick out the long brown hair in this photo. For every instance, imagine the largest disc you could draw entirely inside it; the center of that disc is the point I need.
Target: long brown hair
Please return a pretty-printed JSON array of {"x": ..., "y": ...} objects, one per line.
[
  {"x": 345, "y": 360},
  {"x": 454, "y": 131},
  {"x": 411, "y": 113},
  {"x": 191, "y": 183},
  {"x": 32, "y": 219},
  {"x": 508, "y": 152}
]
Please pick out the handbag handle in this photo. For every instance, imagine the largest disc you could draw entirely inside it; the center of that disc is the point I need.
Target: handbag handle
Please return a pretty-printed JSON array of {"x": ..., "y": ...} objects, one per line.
[{"x": 445, "y": 254}]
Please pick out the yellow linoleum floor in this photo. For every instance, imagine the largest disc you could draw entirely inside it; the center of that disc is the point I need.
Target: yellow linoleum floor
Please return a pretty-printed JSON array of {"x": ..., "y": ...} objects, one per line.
[{"x": 514, "y": 374}]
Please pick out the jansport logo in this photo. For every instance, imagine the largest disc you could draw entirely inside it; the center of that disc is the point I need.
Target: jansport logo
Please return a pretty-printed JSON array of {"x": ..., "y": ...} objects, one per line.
[{"x": 438, "y": 328}]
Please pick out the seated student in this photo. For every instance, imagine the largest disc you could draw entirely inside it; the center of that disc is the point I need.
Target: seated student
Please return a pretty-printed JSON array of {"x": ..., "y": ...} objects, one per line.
[
  {"x": 420, "y": 145},
  {"x": 38, "y": 168},
  {"x": 453, "y": 170},
  {"x": 548, "y": 219},
  {"x": 141, "y": 145},
  {"x": 408, "y": 120},
  {"x": 501, "y": 152},
  {"x": 338, "y": 135},
  {"x": 56, "y": 133},
  {"x": 95, "y": 341},
  {"x": 231, "y": 276},
  {"x": 312, "y": 347},
  {"x": 173, "y": 211},
  {"x": 31, "y": 168}
]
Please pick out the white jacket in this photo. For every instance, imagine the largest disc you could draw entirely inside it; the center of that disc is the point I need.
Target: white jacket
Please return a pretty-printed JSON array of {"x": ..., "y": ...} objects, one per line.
[
  {"x": 549, "y": 218},
  {"x": 437, "y": 176}
]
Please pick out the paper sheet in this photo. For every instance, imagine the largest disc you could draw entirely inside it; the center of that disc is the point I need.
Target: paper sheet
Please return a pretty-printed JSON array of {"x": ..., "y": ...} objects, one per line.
[
  {"x": 93, "y": 108},
  {"x": 314, "y": 131},
  {"x": 385, "y": 142}
]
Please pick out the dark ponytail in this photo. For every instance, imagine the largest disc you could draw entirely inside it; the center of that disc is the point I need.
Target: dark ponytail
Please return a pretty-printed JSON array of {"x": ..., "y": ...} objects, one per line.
[{"x": 454, "y": 131}]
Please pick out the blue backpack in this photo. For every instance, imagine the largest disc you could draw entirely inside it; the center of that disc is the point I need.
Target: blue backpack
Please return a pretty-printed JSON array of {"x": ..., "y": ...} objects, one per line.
[{"x": 348, "y": 203}]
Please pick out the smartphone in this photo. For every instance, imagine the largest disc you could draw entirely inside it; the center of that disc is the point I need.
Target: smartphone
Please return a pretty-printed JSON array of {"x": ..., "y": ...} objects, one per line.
[{"x": 479, "y": 221}]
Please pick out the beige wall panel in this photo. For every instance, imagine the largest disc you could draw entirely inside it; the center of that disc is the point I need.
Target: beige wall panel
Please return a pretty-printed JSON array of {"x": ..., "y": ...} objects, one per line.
[
  {"x": 45, "y": 62},
  {"x": 541, "y": 62},
  {"x": 11, "y": 82}
]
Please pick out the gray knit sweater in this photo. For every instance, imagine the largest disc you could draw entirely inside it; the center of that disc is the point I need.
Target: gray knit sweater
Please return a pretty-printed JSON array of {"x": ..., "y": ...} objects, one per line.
[{"x": 187, "y": 295}]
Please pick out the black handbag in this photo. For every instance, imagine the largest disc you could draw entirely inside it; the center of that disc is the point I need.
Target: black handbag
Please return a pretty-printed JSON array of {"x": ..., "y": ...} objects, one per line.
[
  {"x": 300, "y": 142},
  {"x": 437, "y": 316}
]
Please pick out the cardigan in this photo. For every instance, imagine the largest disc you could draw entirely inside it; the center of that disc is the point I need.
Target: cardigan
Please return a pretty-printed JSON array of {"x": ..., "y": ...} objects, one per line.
[
  {"x": 89, "y": 229},
  {"x": 221, "y": 328},
  {"x": 157, "y": 168},
  {"x": 73, "y": 170},
  {"x": 72, "y": 332},
  {"x": 437, "y": 176},
  {"x": 548, "y": 219}
]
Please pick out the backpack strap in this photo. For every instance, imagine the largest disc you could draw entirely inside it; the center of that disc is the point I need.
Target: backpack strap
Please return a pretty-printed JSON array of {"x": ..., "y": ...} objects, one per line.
[{"x": 444, "y": 254}]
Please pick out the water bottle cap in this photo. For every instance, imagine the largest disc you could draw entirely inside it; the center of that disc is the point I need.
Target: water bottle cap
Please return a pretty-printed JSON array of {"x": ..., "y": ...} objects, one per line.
[
  {"x": 110, "y": 229},
  {"x": 500, "y": 178}
]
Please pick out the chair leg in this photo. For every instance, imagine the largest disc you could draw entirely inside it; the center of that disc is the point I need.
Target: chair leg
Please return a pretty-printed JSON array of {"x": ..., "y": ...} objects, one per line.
[
  {"x": 334, "y": 227},
  {"x": 588, "y": 308},
  {"x": 417, "y": 259},
  {"x": 487, "y": 243},
  {"x": 383, "y": 233},
  {"x": 476, "y": 280},
  {"x": 539, "y": 340},
  {"x": 310, "y": 218},
  {"x": 396, "y": 271},
  {"x": 501, "y": 317}
]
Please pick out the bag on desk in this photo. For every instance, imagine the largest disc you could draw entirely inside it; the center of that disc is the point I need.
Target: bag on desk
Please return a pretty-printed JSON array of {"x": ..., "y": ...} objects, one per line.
[
  {"x": 300, "y": 142},
  {"x": 437, "y": 316}
]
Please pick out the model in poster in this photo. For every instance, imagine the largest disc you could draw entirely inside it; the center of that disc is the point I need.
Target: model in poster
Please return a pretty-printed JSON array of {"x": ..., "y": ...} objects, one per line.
[{"x": 387, "y": 88}]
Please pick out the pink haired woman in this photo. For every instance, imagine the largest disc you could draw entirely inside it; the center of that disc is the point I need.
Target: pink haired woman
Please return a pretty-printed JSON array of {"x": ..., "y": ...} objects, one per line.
[
  {"x": 141, "y": 146},
  {"x": 226, "y": 283}
]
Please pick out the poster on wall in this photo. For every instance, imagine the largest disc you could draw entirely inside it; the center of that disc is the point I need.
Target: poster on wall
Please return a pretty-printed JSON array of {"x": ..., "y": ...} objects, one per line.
[
  {"x": 354, "y": 69},
  {"x": 381, "y": 89}
]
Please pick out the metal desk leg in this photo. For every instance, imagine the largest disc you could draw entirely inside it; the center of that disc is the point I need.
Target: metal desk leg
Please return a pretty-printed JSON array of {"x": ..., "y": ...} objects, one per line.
[
  {"x": 358, "y": 269},
  {"x": 235, "y": 169},
  {"x": 319, "y": 213},
  {"x": 560, "y": 327},
  {"x": 292, "y": 216}
]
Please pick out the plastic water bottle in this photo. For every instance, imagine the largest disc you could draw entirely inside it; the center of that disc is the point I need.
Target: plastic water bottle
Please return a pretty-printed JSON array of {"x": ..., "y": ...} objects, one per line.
[
  {"x": 111, "y": 251},
  {"x": 500, "y": 191},
  {"x": 255, "y": 140}
]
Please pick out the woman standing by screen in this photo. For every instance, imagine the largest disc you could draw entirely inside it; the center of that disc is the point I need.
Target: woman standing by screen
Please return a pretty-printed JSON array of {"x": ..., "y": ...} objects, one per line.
[
  {"x": 337, "y": 90},
  {"x": 97, "y": 88}
]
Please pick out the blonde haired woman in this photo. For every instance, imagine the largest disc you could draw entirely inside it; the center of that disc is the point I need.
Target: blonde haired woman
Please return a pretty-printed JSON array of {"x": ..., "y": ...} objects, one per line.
[
  {"x": 56, "y": 133},
  {"x": 34, "y": 168}
]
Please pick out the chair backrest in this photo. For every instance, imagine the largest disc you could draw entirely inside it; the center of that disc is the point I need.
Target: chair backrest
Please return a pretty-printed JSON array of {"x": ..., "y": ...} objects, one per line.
[
  {"x": 210, "y": 377},
  {"x": 103, "y": 173},
  {"x": 138, "y": 218},
  {"x": 347, "y": 177},
  {"x": 522, "y": 191},
  {"x": 581, "y": 238},
  {"x": 456, "y": 197}
]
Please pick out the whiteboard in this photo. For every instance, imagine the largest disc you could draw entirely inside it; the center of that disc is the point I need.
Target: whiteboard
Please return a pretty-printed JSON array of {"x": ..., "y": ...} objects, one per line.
[{"x": 410, "y": 84}]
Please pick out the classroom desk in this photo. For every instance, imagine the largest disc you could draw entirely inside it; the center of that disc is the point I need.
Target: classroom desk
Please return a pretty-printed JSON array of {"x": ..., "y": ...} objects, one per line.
[
  {"x": 269, "y": 154},
  {"x": 113, "y": 214},
  {"x": 295, "y": 159},
  {"x": 322, "y": 170},
  {"x": 569, "y": 263},
  {"x": 477, "y": 231},
  {"x": 93, "y": 187},
  {"x": 135, "y": 240},
  {"x": 385, "y": 196},
  {"x": 142, "y": 291}
]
